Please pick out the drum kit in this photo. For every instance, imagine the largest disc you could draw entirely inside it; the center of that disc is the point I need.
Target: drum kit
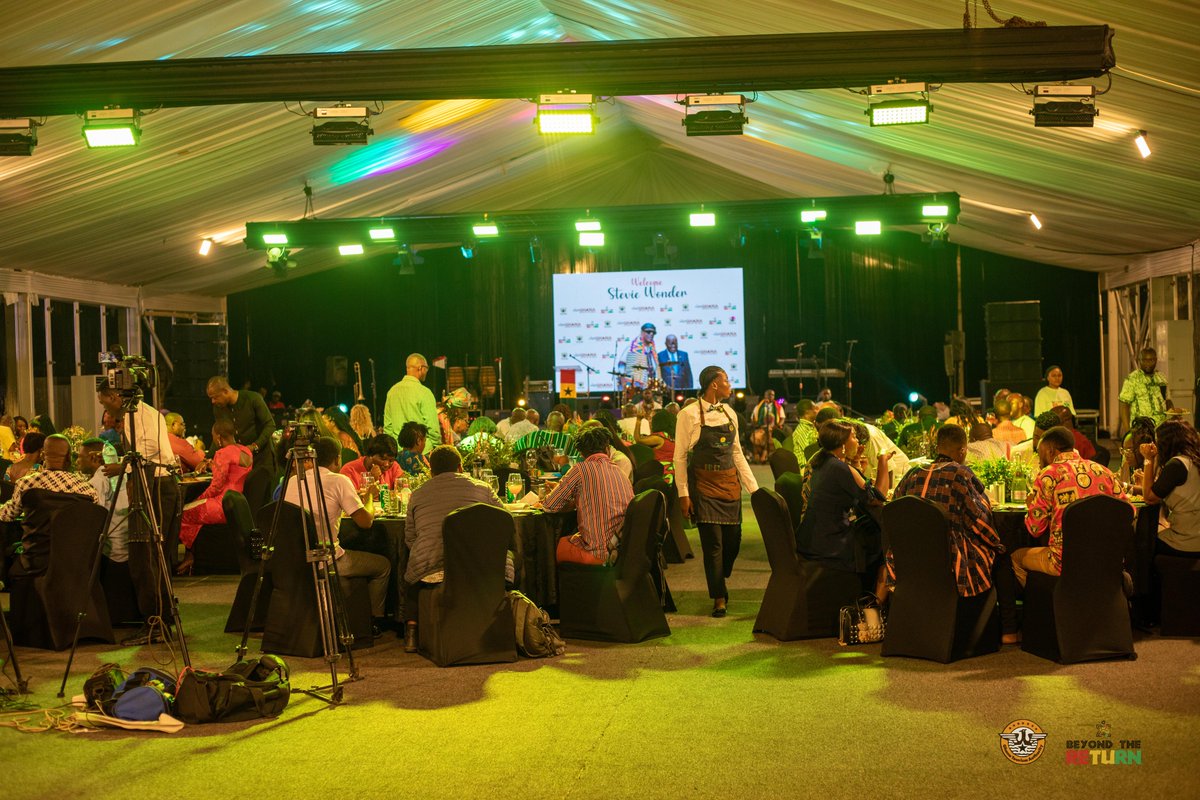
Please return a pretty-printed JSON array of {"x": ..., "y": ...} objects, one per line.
[{"x": 634, "y": 388}]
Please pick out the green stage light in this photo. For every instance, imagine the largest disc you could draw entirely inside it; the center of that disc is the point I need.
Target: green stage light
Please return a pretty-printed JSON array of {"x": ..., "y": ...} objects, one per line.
[
  {"x": 811, "y": 215},
  {"x": 382, "y": 234},
  {"x": 899, "y": 112},
  {"x": 587, "y": 225},
  {"x": 868, "y": 227},
  {"x": 566, "y": 121},
  {"x": 935, "y": 211},
  {"x": 275, "y": 238},
  {"x": 350, "y": 249},
  {"x": 703, "y": 219},
  {"x": 486, "y": 229},
  {"x": 591, "y": 239},
  {"x": 112, "y": 127}
]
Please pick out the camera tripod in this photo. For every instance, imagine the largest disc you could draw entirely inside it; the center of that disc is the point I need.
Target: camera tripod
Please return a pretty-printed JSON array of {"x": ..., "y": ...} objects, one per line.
[
  {"x": 142, "y": 522},
  {"x": 22, "y": 684},
  {"x": 320, "y": 553}
]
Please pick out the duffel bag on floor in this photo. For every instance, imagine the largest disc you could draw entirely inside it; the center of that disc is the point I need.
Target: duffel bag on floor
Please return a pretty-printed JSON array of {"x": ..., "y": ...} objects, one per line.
[{"x": 247, "y": 690}]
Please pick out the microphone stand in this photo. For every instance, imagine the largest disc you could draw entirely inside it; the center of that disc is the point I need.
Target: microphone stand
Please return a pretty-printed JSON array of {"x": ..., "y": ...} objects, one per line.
[
  {"x": 849, "y": 378},
  {"x": 500, "y": 379},
  {"x": 799, "y": 369},
  {"x": 587, "y": 376},
  {"x": 824, "y": 379}
]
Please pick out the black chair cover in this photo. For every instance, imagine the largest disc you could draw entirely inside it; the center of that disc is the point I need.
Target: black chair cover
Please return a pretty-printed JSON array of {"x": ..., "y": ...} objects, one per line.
[
  {"x": 647, "y": 470},
  {"x": 927, "y": 617},
  {"x": 45, "y": 607},
  {"x": 783, "y": 461},
  {"x": 241, "y": 524},
  {"x": 467, "y": 619},
  {"x": 803, "y": 599},
  {"x": 618, "y": 603},
  {"x": 641, "y": 454},
  {"x": 1083, "y": 615},
  {"x": 790, "y": 486},
  {"x": 215, "y": 549},
  {"x": 676, "y": 548},
  {"x": 257, "y": 488},
  {"x": 1180, "y": 610}
]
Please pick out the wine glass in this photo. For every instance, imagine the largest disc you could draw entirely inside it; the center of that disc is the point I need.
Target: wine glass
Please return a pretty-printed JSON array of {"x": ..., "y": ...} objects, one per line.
[
  {"x": 493, "y": 482},
  {"x": 515, "y": 486}
]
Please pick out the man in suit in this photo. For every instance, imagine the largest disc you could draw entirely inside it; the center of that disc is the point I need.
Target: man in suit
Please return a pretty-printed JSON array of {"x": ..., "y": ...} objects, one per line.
[{"x": 675, "y": 367}]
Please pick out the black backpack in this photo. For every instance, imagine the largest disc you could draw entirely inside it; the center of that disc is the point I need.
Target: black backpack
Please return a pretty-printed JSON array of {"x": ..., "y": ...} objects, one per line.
[
  {"x": 247, "y": 690},
  {"x": 536, "y": 636}
]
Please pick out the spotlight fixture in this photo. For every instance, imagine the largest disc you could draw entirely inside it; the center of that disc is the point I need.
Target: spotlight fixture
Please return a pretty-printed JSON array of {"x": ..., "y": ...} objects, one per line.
[
  {"x": 702, "y": 219},
  {"x": 112, "y": 127},
  {"x": 815, "y": 245},
  {"x": 485, "y": 228},
  {"x": 1143, "y": 144},
  {"x": 521, "y": 402},
  {"x": 535, "y": 250},
  {"x": 406, "y": 261},
  {"x": 934, "y": 211},
  {"x": 341, "y": 125},
  {"x": 206, "y": 247},
  {"x": 565, "y": 113},
  {"x": 278, "y": 261},
  {"x": 903, "y": 104},
  {"x": 18, "y": 137},
  {"x": 1037, "y": 223},
  {"x": 468, "y": 249},
  {"x": 587, "y": 225},
  {"x": 275, "y": 238},
  {"x": 871, "y": 227},
  {"x": 714, "y": 114},
  {"x": 381, "y": 234},
  {"x": 350, "y": 249},
  {"x": 591, "y": 239},
  {"x": 811, "y": 215},
  {"x": 1064, "y": 106},
  {"x": 937, "y": 234}
]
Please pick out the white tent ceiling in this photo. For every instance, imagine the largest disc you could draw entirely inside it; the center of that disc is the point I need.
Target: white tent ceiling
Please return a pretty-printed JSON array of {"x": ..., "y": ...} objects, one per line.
[{"x": 136, "y": 217}]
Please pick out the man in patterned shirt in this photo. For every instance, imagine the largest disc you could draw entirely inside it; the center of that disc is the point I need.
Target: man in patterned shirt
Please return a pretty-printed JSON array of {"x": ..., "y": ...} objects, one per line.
[
  {"x": 600, "y": 492},
  {"x": 1144, "y": 393},
  {"x": 952, "y": 485},
  {"x": 640, "y": 363},
  {"x": 37, "y": 496},
  {"x": 805, "y": 433},
  {"x": 1065, "y": 478}
]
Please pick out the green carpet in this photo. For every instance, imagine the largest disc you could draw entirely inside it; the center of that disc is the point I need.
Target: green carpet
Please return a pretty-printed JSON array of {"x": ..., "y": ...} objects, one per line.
[{"x": 711, "y": 711}]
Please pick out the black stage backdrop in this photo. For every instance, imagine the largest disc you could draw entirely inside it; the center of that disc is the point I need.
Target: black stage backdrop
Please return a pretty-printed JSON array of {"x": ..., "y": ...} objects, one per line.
[{"x": 893, "y": 293}]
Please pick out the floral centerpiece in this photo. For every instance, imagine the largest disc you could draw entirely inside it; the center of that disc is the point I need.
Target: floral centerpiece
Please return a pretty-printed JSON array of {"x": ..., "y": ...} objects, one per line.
[
  {"x": 1001, "y": 470},
  {"x": 494, "y": 452},
  {"x": 76, "y": 434}
]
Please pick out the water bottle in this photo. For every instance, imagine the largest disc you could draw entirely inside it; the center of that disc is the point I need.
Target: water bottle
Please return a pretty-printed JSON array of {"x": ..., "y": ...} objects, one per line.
[
  {"x": 404, "y": 492},
  {"x": 383, "y": 500},
  {"x": 1019, "y": 488}
]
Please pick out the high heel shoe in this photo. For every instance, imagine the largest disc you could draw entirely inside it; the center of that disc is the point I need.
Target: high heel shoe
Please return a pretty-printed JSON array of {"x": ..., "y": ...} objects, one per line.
[{"x": 185, "y": 567}]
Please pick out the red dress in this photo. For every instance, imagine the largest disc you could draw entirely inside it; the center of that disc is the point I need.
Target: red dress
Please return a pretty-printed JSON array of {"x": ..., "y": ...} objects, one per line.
[{"x": 230, "y": 466}]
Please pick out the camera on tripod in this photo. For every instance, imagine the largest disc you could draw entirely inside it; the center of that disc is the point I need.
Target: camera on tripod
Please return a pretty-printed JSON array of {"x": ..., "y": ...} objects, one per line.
[
  {"x": 300, "y": 434},
  {"x": 130, "y": 376}
]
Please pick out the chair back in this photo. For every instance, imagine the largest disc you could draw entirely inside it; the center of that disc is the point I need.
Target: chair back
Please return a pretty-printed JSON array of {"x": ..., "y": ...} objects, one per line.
[
  {"x": 790, "y": 486},
  {"x": 74, "y": 538},
  {"x": 919, "y": 533},
  {"x": 475, "y": 540},
  {"x": 1097, "y": 532},
  {"x": 775, "y": 523},
  {"x": 783, "y": 461},
  {"x": 288, "y": 562},
  {"x": 639, "y": 535},
  {"x": 648, "y": 469},
  {"x": 348, "y": 455},
  {"x": 811, "y": 450},
  {"x": 641, "y": 454},
  {"x": 241, "y": 522},
  {"x": 258, "y": 486}
]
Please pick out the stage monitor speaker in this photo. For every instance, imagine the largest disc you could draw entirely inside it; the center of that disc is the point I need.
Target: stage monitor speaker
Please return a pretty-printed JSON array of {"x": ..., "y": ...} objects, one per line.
[
  {"x": 336, "y": 370},
  {"x": 1014, "y": 341}
]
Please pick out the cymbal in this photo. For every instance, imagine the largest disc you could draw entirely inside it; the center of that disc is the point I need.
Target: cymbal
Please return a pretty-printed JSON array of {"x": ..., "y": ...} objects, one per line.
[{"x": 616, "y": 374}]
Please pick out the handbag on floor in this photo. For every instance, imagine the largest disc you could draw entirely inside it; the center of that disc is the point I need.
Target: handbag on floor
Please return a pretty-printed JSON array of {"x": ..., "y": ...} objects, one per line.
[
  {"x": 247, "y": 690},
  {"x": 861, "y": 623}
]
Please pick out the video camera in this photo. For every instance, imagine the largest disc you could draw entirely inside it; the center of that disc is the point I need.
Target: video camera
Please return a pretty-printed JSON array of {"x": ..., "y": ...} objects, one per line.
[
  {"x": 301, "y": 434},
  {"x": 130, "y": 376}
]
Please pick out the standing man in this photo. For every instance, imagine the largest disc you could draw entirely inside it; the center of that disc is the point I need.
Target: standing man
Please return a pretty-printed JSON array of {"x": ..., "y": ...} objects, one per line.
[
  {"x": 410, "y": 401},
  {"x": 1144, "y": 393},
  {"x": 250, "y": 417},
  {"x": 675, "y": 367},
  {"x": 640, "y": 363}
]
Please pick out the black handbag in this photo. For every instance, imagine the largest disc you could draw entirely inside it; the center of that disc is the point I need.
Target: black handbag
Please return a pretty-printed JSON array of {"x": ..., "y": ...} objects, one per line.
[
  {"x": 861, "y": 623},
  {"x": 247, "y": 690}
]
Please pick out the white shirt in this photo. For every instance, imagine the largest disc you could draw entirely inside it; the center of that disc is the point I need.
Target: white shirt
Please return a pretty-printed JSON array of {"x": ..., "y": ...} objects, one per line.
[
  {"x": 149, "y": 431},
  {"x": 117, "y": 547},
  {"x": 1025, "y": 423},
  {"x": 1025, "y": 453},
  {"x": 687, "y": 433},
  {"x": 626, "y": 425},
  {"x": 340, "y": 498},
  {"x": 1048, "y": 397},
  {"x": 518, "y": 429},
  {"x": 880, "y": 443},
  {"x": 622, "y": 461},
  {"x": 502, "y": 427}
]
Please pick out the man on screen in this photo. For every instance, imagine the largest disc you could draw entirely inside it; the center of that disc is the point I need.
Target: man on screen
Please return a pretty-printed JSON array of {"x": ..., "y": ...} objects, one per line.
[
  {"x": 640, "y": 363},
  {"x": 675, "y": 367}
]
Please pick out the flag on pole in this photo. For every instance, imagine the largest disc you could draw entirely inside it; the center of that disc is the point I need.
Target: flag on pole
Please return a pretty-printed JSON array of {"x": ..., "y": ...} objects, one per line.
[
  {"x": 439, "y": 362},
  {"x": 566, "y": 383}
]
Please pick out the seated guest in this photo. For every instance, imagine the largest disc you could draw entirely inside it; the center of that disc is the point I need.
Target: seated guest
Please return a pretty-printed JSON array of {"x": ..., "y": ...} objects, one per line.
[
  {"x": 339, "y": 425},
  {"x": 805, "y": 432},
  {"x": 953, "y": 486},
  {"x": 533, "y": 417},
  {"x": 360, "y": 422},
  {"x": 31, "y": 457},
  {"x": 1005, "y": 430},
  {"x": 826, "y": 534},
  {"x": 518, "y": 426},
  {"x": 503, "y": 425},
  {"x": 1083, "y": 446},
  {"x": 7, "y": 437},
  {"x": 600, "y": 493},
  {"x": 618, "y": 451},
  {"x": 230, "y": 466},
  {"x": 412, "y": 448},
  {"x": 341, "y": 498},
  {"x": 914, "y": 435},
  {"x": 20, "y": 426},
  {"x": 983, "y": 447},
  {"x": 1065, "y": 478},
  {"x": 552, "y": 437},
  {"x": 188, "y": 454},
  {"x": 875, "y": 444},
  {"x": 459, "y": 423},
  {"x": 482, "y": 432},
  {"x": 1141, "y": 431},
  {"x": 962, "y": 414},
  {"x": 766, "y": 421},
  {"x": 661, "y": 437},
  {"x": 1176, "y": 486},
  {"x": 448, "y": 489},
  {"x": 379, "y": 463},
  {"x": 1027, "y": 451},
  {"x": 93, "y": 454},
  {"x": 37, "y": 496},
  {"x": 112, "y": 429},
  {"x": 43, "y": 425},
  {"x": 628, "y": 421},
  {"x": 1021, "y": 413}
]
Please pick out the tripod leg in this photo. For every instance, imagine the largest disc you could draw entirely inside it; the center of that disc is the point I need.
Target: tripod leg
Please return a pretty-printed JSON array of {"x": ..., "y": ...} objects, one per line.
[
  {"x": 162, "y": 583},
  {"x": 22, "y": 684},
  {"x": 265, "y": 555}
]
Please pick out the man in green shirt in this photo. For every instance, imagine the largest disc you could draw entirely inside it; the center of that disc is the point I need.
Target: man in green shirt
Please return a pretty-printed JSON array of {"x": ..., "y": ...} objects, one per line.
[
  {"x": 410, "y": 401},
  {"x": 250, "y": 416},
  {"x": 1144, "y": 393},
  {"x": 805, "y": 433}
]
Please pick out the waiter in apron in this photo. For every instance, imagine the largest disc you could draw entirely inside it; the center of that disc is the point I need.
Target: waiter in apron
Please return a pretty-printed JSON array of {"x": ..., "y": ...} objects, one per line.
[{"x": 710, "y": 473}]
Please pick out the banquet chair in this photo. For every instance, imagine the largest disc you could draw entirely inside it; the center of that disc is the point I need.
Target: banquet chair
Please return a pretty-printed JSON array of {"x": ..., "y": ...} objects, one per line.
[
  {"x": 467, "y": 618},
  {"x": 1179, "y": 614},
  {"x": 215, "y": 549},
  {"x": 241, "y": 523},
  {"x": 257, "y": 487},
  {"x": 676, "y": 548},
  {"x": 44, "y": 608},
  {"x": 120, "y": 595},
  {"x": 783, "y": 461},
  {"x": 648, "y": 469},
  {"x": 641, "y": 454},
  {"x": 618, "y": 603},
  {"x": 292, "y": 626},
  {"x": 811, "y": 450},
  {"x": 790, "y": 486},
  {"x": 1082, "y": 615},
  {"x": 927, "y": 617},
  {"x": 802, "y": 599}
]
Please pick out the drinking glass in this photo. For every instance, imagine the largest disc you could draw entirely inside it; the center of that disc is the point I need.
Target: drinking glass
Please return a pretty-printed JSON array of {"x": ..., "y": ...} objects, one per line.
[
  {"x": 515, "y": 486},
  {"x": 494, "y": 482}
]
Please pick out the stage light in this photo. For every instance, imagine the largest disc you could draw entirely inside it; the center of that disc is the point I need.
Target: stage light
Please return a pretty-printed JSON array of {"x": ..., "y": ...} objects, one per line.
[
  {"x": 521, "y": 402},
  {"x": 1143, "y": 145},
  {"x": 565, "y": 113},
  {"x": 909, "y": 104},
  {"x": 206, "y": 247},
  {"x": 343, "y": 407},
  {"x": 679, "y": 398},
  {"x": 810, "y": 215},
  {"x": 913, "y": 397},
  {"x": 18, "y": 137},
  {"x": 486, "y": 228},
  {"x": 382, "y": 234},
  {"x": 741, "y": 395},
  {"x": 1064, "y": 106},
  {"x": 350, "y": 249},
  {"x": 870, "y": 227},
  {"x": 112, "y": 127},
  {"x": 606, "y": 398},
  {"x": 274, "y": 238},
  {"x": 468, "y": 251},
  {"x": 1037, "y": 223},
  {"x": 702, "y": 219},
  {"x": 278, "y": 261},
  {"x": 937, "y": 234},
  {"x": 714, "y": 114},
  {"x": 587, "y": 225},
  {"x": 935, "y": 211},
  {"x": 342, "y": 125},
  {"x": 591, "y": 239},
  {"x": 535, "y": 250}
]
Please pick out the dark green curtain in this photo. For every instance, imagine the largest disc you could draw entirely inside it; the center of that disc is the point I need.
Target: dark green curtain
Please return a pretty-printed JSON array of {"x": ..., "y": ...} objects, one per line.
[{"x": 893, "y": 293}]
